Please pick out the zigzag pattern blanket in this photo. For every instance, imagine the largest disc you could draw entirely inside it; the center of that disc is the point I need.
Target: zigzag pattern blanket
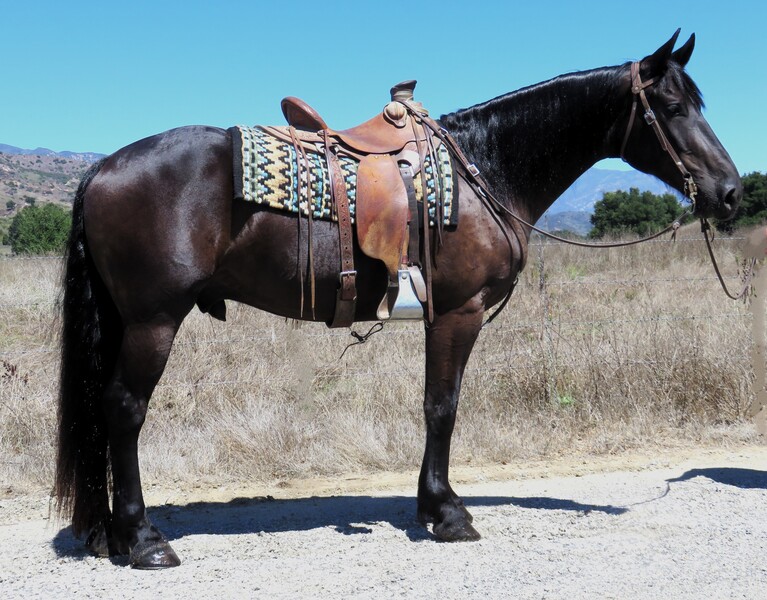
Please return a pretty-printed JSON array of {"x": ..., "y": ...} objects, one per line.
[{"x": 266, "y": 172}]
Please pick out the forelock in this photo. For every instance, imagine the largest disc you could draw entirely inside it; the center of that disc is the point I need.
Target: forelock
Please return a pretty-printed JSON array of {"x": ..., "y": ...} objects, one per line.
[{"x": 677, "y": 76}]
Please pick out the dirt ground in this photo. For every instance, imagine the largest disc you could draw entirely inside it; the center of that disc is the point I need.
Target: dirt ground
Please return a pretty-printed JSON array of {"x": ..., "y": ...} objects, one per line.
[{"x": 684, "y": 523}]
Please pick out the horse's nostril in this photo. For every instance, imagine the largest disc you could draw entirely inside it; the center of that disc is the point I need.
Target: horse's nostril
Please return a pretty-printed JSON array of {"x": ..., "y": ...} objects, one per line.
[
  {"x": 730, "y": 201},
  {"x": 732, "y": 197}
]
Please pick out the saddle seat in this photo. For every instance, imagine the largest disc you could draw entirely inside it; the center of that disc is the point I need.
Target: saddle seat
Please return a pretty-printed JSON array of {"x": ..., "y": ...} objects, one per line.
[{"x": 386, "y": 133}]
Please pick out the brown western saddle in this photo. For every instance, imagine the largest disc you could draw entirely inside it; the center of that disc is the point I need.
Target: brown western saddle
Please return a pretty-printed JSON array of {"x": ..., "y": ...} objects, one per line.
[{"x": 391, "y": 149}]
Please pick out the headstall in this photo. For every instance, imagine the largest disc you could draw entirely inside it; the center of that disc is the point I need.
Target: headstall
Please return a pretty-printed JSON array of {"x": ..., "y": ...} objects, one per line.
[{"x": 638, "y": 90}]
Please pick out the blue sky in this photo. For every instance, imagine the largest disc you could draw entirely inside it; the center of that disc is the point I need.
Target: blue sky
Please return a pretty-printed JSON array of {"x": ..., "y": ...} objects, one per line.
[{"x": 95, "y": 76}]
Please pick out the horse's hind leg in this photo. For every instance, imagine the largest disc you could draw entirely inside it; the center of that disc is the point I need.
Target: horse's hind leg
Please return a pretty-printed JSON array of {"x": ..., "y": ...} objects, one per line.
[
  {"x": 141, "y": 361},
  {"x": 449, "y": 341}
]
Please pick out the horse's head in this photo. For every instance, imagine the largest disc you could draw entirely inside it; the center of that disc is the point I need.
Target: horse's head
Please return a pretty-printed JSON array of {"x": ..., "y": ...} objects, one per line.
[{"x": 676, "y": 104}]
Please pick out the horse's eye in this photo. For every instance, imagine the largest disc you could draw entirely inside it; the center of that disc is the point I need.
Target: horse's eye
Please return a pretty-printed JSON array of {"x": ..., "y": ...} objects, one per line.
[{"x": 674, "y": 109}]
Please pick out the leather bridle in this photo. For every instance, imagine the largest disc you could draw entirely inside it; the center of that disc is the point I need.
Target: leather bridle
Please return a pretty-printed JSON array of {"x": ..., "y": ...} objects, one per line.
[
  {"x": 638, "y": 90},
  {"x": 690, "y": 188}
]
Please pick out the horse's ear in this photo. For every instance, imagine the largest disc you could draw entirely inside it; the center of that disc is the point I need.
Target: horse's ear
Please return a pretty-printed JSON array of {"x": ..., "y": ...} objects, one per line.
[
  {"x": 657, "y": 63},
  {"x": 682, "y": 55}
]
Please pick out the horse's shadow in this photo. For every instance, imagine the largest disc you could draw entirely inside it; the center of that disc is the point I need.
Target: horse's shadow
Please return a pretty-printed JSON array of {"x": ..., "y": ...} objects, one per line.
[
  {"x": 736, "y": 477},
  {"x": 355, "y": 515},
  {"x": 348, "y": 515}
]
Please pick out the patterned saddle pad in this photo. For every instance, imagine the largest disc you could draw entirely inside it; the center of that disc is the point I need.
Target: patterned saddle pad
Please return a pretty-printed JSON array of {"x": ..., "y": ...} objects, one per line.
[{"x": 266, "y": 172}]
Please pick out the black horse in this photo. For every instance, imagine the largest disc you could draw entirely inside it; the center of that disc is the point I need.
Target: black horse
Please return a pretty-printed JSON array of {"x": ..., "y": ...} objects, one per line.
[{"x": 156, "y": 230}]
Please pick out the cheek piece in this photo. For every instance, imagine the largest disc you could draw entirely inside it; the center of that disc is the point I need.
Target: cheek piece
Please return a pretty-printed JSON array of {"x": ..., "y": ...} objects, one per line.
[{"x": 638, "y": 90}]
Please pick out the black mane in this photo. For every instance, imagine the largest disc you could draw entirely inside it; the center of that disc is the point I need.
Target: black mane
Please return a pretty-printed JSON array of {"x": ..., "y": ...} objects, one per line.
[{"x": 512, "y": 137}]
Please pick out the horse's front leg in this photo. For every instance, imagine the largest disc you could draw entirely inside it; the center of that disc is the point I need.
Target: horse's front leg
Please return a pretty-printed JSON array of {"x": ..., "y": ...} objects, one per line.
[{"x": 449, "y": 341}]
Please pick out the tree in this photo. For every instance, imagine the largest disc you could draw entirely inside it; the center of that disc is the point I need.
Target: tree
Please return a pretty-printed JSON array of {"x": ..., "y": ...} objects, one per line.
[
  {"x": 753, "y": 208},
  {"x": 39, "y": 230},
  {"x": 634, "y": 212}
]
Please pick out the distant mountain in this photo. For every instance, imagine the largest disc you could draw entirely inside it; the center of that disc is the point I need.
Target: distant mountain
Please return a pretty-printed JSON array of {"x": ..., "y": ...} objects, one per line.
[
  {"x": 37, "y": 178},
  {"x": 591, "y": 186},
  {"x": 577, "y": 221},
  {"x": 573, "y": 209},
  {"x": 88, "y": 157}
]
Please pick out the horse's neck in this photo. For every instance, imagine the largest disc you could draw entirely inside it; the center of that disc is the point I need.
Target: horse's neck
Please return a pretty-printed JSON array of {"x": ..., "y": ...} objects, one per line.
[{"x": 531, "y": 145}]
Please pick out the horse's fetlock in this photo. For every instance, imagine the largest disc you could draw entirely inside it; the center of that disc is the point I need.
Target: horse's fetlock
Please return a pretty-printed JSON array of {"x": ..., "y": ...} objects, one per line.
[{"x": 132, "y": 515}]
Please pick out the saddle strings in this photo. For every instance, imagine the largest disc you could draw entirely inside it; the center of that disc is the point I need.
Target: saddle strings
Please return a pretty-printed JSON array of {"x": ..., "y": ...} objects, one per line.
[
  {"x": 302, "y": 157},
  {"x": 310, "y": 214},
  {"x": 475, "y": 180},
  {"x": 299, "y": 262},
  {"x": 426, "y": 240},
  {"x": 436, "y": 172}
]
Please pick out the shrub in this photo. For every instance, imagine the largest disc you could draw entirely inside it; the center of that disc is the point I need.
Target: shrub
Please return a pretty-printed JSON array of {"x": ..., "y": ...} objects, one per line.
[
  {"x": 39, "y": 230},
  {"x": 640, "y": 213}
]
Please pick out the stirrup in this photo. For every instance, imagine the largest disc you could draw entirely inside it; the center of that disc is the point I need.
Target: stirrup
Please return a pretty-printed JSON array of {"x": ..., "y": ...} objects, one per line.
[{"x": 401, "y": 295}]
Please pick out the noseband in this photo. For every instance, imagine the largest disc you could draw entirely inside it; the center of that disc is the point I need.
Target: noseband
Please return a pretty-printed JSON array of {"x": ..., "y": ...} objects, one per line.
[{"x": 637, "y": 89}]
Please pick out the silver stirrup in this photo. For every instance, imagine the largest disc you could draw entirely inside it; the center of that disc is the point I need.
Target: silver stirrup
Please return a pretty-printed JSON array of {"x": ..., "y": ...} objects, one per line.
[{"x": 407, "y": 306}]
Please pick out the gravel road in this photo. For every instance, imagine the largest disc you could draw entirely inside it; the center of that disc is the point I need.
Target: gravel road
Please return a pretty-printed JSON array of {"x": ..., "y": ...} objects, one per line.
[{"x": 685, "y": 524}]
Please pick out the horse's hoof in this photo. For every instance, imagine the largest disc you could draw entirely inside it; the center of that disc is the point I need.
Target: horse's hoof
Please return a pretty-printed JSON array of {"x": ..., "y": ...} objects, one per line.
[
  {"x": 153, "y": 554},
  {"x": 456, "y": 532},
  {"x": 97, "y": 541}
]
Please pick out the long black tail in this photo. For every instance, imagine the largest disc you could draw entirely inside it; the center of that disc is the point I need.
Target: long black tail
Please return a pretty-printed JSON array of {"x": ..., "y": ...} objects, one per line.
[{"x": 90, "y": 338}]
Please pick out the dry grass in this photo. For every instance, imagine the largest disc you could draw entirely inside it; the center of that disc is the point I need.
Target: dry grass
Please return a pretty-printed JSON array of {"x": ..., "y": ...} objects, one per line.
[{"x": 618, "y": 349}]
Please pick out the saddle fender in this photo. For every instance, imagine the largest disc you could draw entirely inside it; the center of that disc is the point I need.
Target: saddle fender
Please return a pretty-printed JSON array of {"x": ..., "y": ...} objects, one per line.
[{"x": 382, "y": 211}]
